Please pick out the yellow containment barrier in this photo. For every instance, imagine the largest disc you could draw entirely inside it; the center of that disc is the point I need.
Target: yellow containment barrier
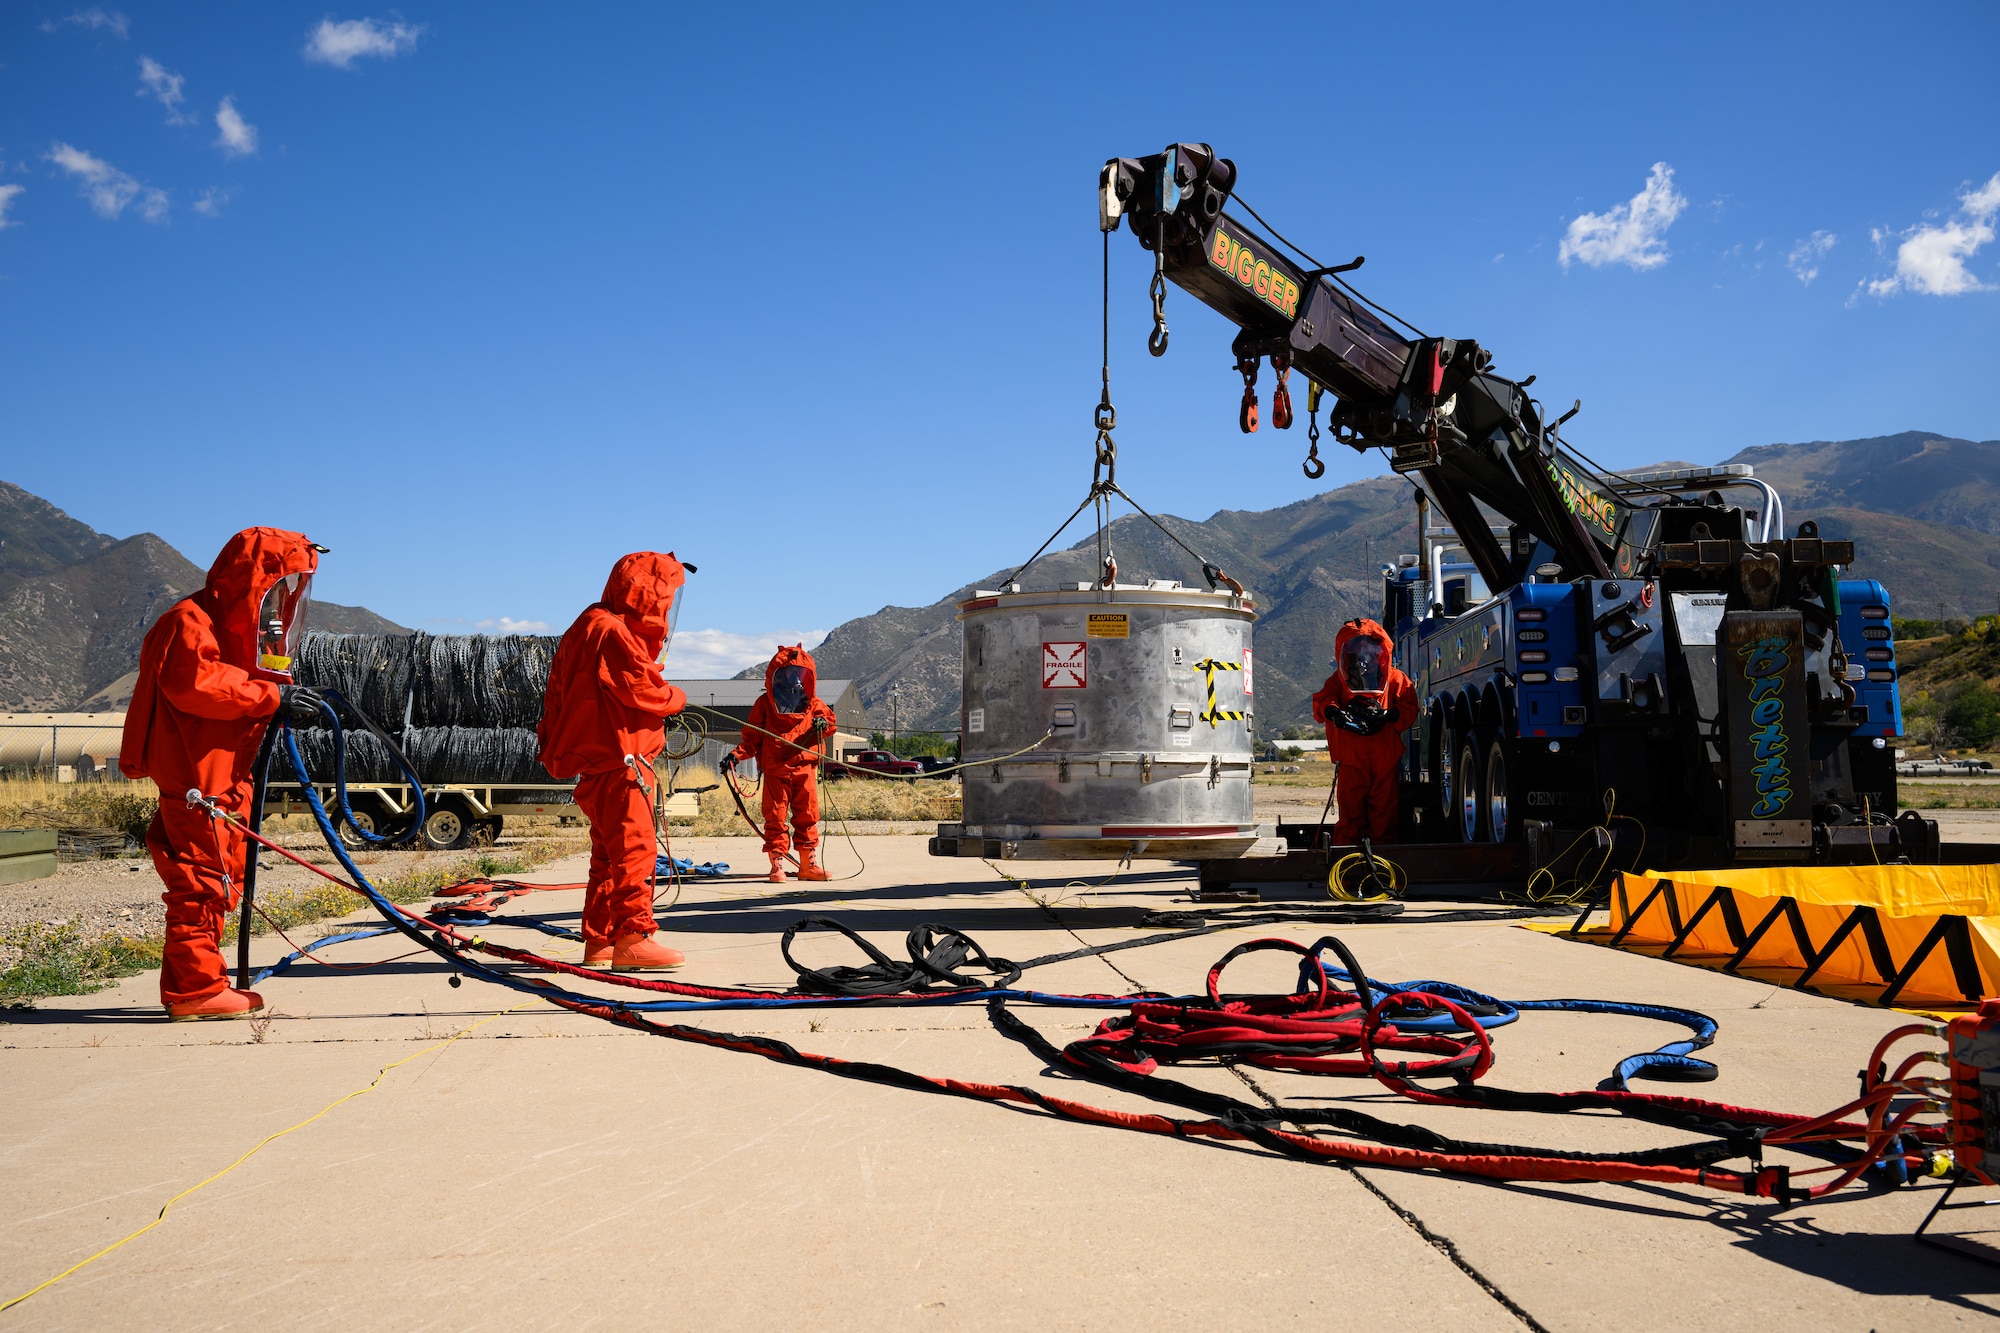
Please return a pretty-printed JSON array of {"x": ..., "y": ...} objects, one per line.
[{"x": 1892, "y": 935}]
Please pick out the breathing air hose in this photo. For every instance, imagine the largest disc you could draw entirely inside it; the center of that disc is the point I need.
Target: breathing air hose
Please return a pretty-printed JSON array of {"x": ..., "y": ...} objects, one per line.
[
  {"x": 257, "y": 790},
  {"x": 1420, "y": 1017}
]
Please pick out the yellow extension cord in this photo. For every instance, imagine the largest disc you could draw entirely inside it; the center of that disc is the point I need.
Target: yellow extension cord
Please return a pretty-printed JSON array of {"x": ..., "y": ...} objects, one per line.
[
  {"x": 255, "y": 1149},
  {"x": 1336, "y": 879}
]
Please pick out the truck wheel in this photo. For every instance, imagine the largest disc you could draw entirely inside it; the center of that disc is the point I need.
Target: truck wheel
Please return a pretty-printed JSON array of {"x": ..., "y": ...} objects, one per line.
[
  {"x": 1498, "y": 787},
  {"x": 1441, "y": 811},
  {"x": 446, "y": 829},
  {"x": 1469, "y": 809}
]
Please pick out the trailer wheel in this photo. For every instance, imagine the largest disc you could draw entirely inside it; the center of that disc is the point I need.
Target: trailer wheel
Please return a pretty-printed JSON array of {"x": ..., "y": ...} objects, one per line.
[
  {"x": 1469, "y": 809},
  {"x": 446, "y": 829},
  {"x": 365, "y": 815},
  {"x": 1498, "y": 786}
]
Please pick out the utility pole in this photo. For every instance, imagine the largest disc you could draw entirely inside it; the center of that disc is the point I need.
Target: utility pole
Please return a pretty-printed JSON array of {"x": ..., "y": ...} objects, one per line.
[{"x": 895, "y": 711}]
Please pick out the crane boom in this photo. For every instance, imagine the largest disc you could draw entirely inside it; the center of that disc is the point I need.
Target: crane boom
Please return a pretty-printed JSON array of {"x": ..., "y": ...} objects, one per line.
[{"x": 1433, "y": 405}]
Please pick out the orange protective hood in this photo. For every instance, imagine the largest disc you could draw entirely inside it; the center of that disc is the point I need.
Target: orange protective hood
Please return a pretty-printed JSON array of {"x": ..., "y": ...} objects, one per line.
[
  {"x": 641, "y": 592},
  {"x": 795, "y": 655},
  {"x": 1361, "y": 628},
  {"x": 251, "y": 563}
]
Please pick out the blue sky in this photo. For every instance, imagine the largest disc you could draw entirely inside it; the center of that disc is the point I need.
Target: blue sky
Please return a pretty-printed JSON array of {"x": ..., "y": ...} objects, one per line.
[{"x": 484, "y": 295}]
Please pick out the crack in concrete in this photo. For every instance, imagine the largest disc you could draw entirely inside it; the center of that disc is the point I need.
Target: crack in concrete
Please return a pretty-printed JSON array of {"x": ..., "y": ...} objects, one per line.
[
  {"x": 1070, "y": 931},
  {"x": 1442, "y": 1244}
]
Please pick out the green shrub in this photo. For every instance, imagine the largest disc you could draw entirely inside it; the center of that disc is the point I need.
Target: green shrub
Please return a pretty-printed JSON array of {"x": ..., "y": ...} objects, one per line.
[
  {"x": 58, "y": 960},
  {"x": 1973, "y": 715}
]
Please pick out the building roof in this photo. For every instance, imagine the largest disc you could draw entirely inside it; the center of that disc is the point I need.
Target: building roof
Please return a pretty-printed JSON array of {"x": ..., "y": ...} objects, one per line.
[{"x": 734, "y": 698}]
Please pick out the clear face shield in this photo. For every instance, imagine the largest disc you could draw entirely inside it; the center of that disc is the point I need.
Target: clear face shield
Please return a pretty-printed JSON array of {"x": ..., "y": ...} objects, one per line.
[
  {"x": 673, "y": 621},
  {"x": 281, "y": 620},
  {"x": 788, "y": 689},
  {"x": 1361, "y": 665}
]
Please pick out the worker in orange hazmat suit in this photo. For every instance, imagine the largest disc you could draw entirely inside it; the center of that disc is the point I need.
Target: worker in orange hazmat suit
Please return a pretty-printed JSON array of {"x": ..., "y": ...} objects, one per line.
[
  {"x": 1367, "y": 704},
  {"x": 782, "y": 734},
  {"x": 603, "y": 717},
  {"x": 214, "y": 671}
]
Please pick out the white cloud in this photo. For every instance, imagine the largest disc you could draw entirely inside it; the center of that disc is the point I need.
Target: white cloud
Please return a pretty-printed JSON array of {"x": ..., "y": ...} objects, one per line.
[
  {"x": 341, "y": 44},
  {"x": 7, "y": 193},
  {"x": 509, "y": 625},
  {"x": 210, "y": 203},
  {"x": 1633, "y": 233},
  {"x": 111, "y": 20},
  {"x": 163, "y": 86},
  {"x": 713, "y": 654},
  {"x": 237, "y": 137},
  {"x": 1931, "y": 258},
  {"x": 1803, "y": 258},
  {"x": 108, "y": 189}
]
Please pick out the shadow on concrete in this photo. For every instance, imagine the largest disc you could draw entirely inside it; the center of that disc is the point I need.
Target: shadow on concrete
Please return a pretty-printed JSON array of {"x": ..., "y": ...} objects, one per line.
[{"x": 1870, "y": 1264}]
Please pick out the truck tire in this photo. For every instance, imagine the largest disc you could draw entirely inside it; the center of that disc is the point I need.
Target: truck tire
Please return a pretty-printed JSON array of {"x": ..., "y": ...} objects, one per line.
[
  {"x": 1469, "y": 808},
  {"x": 1441, "y": 811},
  {"x": 1502, "y": 813},
  {"x": 446, "y": 828}
]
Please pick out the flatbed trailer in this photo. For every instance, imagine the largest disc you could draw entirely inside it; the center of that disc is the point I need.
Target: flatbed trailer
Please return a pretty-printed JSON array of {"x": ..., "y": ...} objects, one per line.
[{"x": 456, "y": 813}]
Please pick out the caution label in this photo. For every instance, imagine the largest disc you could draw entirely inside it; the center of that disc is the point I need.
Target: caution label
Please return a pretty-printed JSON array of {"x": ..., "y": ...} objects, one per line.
[
  {"x": 1065, "y": 666},
  {"x": 1108, "y": 625}
]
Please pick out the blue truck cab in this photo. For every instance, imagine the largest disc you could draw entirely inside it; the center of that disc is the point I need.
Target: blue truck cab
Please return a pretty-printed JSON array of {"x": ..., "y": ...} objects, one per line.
[{"x": 1562, "y": 701}]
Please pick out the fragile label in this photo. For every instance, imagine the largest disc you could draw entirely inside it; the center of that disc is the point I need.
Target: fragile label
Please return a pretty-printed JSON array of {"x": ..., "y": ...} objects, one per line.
[
  {"x": 1246, "y": 672},
  {"x": 1108, "y": 625},
  {"x": 975, "y": 720},
  {"x": 1065, "y": 666}
]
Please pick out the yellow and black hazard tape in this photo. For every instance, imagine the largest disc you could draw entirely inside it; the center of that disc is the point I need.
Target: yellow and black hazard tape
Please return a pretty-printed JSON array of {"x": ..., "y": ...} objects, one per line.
[{"x": 1208, "y": 666}]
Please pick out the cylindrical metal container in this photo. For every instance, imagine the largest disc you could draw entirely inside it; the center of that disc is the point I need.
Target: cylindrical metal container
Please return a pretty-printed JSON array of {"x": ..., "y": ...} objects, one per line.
[{"x": 1120, "y": 719}]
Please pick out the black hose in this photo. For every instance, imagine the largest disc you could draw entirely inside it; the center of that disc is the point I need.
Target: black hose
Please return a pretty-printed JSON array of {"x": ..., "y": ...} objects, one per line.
[{"x": 264, "y": 748}]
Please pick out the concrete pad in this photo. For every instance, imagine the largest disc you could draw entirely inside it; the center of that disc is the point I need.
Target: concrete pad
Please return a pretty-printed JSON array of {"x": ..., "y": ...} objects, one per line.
[{"x": 547, "y": 1167}]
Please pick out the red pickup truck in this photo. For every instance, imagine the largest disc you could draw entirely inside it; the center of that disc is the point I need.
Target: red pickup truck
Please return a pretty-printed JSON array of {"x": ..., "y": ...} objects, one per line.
[{"x": 878, "y": 763}]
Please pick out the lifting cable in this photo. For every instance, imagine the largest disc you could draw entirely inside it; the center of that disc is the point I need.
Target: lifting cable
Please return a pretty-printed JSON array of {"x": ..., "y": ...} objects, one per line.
[{"x": 1104, "y": 470}]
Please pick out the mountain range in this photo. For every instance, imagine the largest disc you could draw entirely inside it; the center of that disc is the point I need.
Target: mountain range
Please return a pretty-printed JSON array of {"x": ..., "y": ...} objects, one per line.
[
  {"x": 75, "y": 604},
  {"x": 1923, "y": 509}
]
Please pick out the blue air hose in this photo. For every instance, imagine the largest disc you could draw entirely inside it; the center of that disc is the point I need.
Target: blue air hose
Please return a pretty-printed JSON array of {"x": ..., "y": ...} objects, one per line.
[
  {"x": 328, "y": 698},
  {"x": 548, "y": 990},
  {"x": 1670, "y": 1061}
]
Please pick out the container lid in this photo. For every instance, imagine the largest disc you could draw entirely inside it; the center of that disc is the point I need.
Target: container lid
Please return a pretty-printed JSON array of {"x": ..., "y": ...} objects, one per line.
[{"x": 1157, "y": 592}]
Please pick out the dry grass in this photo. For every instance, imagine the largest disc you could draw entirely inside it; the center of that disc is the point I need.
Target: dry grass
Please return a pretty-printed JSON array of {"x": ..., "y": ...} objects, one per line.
[
  {"x": 58, "y": 959},
  {"x": 79, "y": 808},
  {"x": 928, "y": 800},
  {"x": 1948, "y": 796}
]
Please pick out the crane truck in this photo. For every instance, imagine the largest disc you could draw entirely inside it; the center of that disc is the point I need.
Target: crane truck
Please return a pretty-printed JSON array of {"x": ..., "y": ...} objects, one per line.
[{"x": 1650, "y": 654}]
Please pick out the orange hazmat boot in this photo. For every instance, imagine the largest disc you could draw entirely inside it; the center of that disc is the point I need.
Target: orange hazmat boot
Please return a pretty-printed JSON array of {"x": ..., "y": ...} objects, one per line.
[
  {"x": 641, "y": 953},
  {"x": 227, "y": 1003}
]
